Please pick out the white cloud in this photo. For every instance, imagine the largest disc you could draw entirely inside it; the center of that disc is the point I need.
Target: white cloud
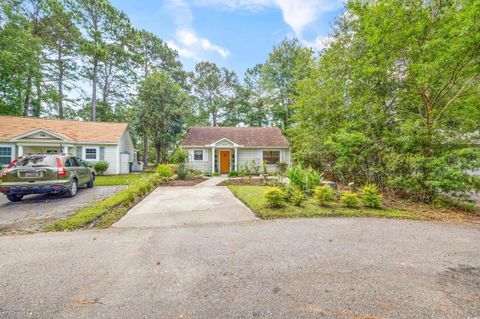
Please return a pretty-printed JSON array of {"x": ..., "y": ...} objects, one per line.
[
  {"x": 296, "y": 13},
  {"x": 187, "y": 43},
  {"x": 320, "y": 43}
]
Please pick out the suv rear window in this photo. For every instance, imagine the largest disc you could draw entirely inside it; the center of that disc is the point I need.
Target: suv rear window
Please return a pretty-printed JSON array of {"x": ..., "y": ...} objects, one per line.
[{"x": 37, "y": 161}]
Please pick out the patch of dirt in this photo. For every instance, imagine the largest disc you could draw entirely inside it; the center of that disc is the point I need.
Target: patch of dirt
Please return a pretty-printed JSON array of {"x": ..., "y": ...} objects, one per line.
[
  {"x": 186, "y": 182},
  {"x": 431, "y": 212}
]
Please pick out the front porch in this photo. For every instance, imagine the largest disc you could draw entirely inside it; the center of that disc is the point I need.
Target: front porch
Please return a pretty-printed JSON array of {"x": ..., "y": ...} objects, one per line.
[
  {"x": 225, "y": 159},
  {"x": 50, "y": 148}
]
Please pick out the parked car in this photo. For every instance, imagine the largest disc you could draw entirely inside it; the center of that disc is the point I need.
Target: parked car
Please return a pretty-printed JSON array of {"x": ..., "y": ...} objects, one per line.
[{"x": 45, "y": 174}]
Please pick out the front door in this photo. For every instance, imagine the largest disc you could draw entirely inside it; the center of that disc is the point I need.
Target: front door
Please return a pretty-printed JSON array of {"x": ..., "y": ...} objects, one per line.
[{"x": 224, "y": 162}]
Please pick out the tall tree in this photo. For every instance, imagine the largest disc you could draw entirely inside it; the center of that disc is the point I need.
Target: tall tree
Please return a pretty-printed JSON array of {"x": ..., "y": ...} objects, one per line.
[{"x": 214, "y": 88}]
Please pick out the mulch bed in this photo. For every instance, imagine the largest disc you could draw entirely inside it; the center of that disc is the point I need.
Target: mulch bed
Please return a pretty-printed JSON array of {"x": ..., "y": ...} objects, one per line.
[{"x": 186, "y": 182}]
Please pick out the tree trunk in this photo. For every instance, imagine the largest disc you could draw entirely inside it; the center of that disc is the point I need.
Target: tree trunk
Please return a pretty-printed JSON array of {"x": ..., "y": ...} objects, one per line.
[
  {"x": 145, "y": 151},
  {"x": 28, "y": 97},
  {"x": 157, "y": 154},
  {"x": 94, "y": 90},
  {"x": 60, "y": 84}
]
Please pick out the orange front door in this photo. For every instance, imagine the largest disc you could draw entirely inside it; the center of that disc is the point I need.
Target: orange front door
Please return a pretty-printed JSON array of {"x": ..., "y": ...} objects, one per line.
[{"x": 224, "y": 162}]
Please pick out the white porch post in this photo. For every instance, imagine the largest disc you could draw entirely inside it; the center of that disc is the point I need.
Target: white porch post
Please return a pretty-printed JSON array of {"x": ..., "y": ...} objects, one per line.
[
  {"x": 213, "y": 160},
  {"x": 65, "y": 150},
  {"x": 20, "y": 150},
  {"x": 236, "y": 159}
]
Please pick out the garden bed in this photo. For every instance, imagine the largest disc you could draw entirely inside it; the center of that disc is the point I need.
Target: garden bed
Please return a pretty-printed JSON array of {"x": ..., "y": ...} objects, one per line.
[
  {"x": 253, "y": 197},
  {"x": 185, "y": 182}
]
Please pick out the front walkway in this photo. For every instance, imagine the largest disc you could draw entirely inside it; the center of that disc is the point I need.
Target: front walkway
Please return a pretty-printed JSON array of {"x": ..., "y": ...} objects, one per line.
[{"x": 204, "y": 203}]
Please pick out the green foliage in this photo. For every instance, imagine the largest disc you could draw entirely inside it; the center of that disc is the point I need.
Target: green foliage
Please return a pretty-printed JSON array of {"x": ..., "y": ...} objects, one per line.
[
  {"x": 249, "y": 168},
  {"x": 182, "y": 171},
  {"x": 282, "y": 168},
  {"x": 179, "y": 156},
  {"x": 370, "y": 196},
  {"x": 274, "y": 196},
  {"x": 165, "y": 170},
  {"x": 350, "y": 199},
  {"x": 298, "y": 197},
  {"x": 324, "y": 194},
  {"x": 304, "y": 178},
  {"x": 288, "y": 190},
  {"x": 233, "y": 174},
  {"x": 100, "y": 167}
]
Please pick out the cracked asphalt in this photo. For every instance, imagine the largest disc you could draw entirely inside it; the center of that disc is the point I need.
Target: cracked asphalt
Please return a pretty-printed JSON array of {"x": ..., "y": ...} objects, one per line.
[{"x": 302, "y": 268}]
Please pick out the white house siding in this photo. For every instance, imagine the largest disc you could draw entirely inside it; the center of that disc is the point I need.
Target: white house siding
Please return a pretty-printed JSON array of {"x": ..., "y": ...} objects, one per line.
[
  {"x": 256, "y": 154},
  {"x": 204, "y": 166},
  {"x": 126, "y": 145},
  {"x": 112, "y": 157}
]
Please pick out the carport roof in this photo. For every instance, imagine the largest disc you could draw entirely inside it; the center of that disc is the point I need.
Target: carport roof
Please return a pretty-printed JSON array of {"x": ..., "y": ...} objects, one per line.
[
  {"x": 78, "y": 131},
  {"x": 243, "y": 136}
]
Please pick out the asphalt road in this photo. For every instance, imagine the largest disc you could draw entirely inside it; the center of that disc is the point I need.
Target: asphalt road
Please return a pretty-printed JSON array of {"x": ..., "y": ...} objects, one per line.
[
  {"x": 35, "y": 211},
  {"x": 303, "y": 268}
]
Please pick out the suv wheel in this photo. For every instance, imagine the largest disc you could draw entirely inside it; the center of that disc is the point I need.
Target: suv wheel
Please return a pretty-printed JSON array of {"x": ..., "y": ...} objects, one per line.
[
  {"x": 14, "y": 198},
  {"x": 72, "y": 190},
  {"x": 90, "y": 182}
]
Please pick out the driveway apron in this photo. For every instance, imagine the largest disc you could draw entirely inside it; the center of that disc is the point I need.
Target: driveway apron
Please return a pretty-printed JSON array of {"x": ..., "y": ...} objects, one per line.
[{"x": 204, "y": 203}]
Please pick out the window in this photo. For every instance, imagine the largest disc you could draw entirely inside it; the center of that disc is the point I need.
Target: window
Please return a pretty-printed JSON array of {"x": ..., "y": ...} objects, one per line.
[
  {"x": 271, "y": 157},
  {"x": 5, "y": 156},
  {"x": 91, "y": 153},
  {"x": 198, "y": 155}
]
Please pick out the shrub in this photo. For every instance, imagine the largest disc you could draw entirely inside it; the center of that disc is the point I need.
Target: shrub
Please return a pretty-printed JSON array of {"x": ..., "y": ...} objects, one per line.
[
  {"x": 165, "y": 170},
  {"x": 324, "y": 194},
  {"x": 182, "y": 171},
  {"x": 370, "y": 196},
  {"x": 350, "y": 199},
  {"x": 298, "y": 197},
  {"x": 305, "y": 178},
  {"x": 282, "y": 168},
  {"x": 288, "y": 190},
  {"x": 274, "y": 196},
  {"x": 179, "y": 156},
  {"x": 101, "y": 167},
  {"x": 233, "y": 174}
]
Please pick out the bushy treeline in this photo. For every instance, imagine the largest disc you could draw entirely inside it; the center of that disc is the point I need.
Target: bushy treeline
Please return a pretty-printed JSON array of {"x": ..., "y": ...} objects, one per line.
[{"x": 394, "y": 100}]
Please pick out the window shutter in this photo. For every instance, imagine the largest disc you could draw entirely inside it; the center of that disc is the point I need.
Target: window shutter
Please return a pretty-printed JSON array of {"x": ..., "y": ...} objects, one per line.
[
  {"x": 79, "y": 151},
  {"x": 205, "y": 155},
  {"x": 102, "y": 153},
  {"x": 190, "y": 155}
]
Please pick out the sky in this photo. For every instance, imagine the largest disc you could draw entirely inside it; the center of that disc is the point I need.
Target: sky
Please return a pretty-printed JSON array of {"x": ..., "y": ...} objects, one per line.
[{"x": 236, "y": 34}]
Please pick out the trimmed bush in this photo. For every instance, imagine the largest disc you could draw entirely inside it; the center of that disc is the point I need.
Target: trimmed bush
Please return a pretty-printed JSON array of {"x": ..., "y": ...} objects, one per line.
[
  {"x": 165, "y": 170},
  {"x": 100, "y": 167},
  {"x": 233, "y": 174},
  {"x": 298, "y": 197},
  {"x": 324, "y": 194},
  {"x": 274, "y": 196},
  {"x": 370, "y": 196},
  {"x": 350, "y": 199}
]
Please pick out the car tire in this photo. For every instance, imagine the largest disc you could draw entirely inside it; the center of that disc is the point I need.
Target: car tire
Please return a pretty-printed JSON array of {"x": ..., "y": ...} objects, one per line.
[
  {"x": 14, "y": 198},
  {"x": 73, "y": 189},
  {"x": 90, "y": 182}
]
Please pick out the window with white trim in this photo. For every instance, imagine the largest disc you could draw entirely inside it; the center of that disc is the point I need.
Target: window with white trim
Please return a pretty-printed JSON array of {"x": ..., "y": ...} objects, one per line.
[
  {"x": 90, "y": 153},
  {"x": 5, "y": 155},
  {"x": 198, "y": 155},
  {"x": 271, "y": 157}
]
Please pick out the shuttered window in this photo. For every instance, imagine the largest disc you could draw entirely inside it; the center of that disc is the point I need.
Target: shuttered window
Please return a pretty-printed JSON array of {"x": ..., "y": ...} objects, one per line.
[{"x": 5, "y": 156}]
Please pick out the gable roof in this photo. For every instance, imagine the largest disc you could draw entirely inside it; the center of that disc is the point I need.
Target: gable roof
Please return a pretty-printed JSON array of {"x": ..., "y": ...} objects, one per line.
[
  {"x": 243, "y": 136},
  {"x": 77, "y": 131}
]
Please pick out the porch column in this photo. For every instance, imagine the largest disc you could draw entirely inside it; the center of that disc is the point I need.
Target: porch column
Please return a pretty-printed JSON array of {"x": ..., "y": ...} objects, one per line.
[
  {"x": 213, "y": 160},
  {"x": 65, "y": 150},
  {"x": 236, "y": 159},
  {"x": 20, "y": 150}
]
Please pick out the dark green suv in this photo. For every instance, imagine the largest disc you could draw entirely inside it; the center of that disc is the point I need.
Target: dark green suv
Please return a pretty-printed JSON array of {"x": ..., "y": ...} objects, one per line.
[{"x": 45, "y": 174}]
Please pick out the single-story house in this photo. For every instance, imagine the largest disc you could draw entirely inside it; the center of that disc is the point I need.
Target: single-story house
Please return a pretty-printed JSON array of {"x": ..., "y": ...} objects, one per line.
[
  {"x": 91, "y": 141},
  {"x": 225, "y": 149}
]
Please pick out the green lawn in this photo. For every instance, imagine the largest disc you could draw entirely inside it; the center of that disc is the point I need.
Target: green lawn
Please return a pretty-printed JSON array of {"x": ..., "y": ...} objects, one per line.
[
  {"x": 111, "y": 180},
  {"x": 252, "y": 196}
]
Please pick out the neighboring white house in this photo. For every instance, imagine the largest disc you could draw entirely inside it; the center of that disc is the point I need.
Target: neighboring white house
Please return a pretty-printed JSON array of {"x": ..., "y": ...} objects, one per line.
[
  {"x": 92, "y": 141},
  {"x": 226, "y": 149}
]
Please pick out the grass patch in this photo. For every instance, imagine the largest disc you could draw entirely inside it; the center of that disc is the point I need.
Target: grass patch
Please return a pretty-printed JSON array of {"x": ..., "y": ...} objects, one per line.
[
  {"x": 108, "y": 211},
  {"x": 112, "y": 180},
  {"x": 252, "y": 196}
]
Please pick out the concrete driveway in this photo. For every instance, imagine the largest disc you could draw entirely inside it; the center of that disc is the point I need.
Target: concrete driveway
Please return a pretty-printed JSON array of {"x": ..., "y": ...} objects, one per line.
[
  {"x": 204, "y": 203},
  {"x": 35, "y": 211},
  {"x": 333, "y": 268}
]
